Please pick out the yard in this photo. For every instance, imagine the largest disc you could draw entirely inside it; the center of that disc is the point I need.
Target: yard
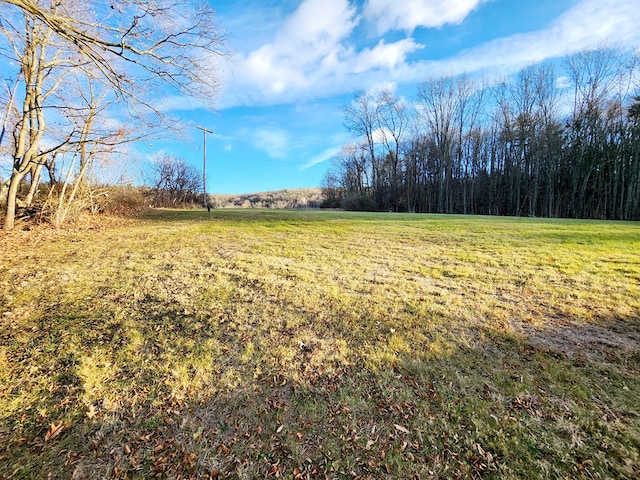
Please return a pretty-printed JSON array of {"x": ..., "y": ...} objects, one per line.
[{"x": 306, "y": 344}]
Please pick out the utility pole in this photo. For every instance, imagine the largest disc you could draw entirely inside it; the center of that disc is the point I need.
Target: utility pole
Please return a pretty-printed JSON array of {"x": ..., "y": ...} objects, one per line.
[{"x": 204, "y": 166}]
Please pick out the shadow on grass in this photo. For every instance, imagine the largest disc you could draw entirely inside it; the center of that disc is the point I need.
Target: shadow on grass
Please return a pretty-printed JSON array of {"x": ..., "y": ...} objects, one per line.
[{"x": 117, "y": 388}]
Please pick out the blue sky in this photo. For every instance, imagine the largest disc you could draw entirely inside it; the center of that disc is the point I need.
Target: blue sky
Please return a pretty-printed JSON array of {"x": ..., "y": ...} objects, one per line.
[{"x": 294, "y": 64}]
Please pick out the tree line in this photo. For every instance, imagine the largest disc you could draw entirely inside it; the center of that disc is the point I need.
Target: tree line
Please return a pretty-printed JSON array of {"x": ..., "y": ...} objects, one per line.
[{"x": 542, "y": 143}]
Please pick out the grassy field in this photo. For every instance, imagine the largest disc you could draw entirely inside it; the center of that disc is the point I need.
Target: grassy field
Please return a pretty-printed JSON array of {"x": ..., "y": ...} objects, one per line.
[{"x": 256, "y": 343}]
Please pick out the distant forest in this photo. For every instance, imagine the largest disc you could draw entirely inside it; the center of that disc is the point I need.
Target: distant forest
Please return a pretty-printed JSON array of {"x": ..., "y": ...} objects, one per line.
[{"x": 549, "y": 142}]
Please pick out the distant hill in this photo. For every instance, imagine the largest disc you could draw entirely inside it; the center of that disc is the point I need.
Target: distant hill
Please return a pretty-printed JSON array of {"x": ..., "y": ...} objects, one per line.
[{"x": 290, "y": 198}]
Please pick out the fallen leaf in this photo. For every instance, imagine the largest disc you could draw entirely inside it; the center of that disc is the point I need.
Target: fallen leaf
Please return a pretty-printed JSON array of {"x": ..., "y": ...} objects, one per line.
[
  {"x": 400, "y": 428},
  {"x": 54, "y": 431},
  {"x": 91, "y": 412}
]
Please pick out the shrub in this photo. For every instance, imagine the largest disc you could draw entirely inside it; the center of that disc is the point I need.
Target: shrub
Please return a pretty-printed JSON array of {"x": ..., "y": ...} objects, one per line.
[
  {"x": 358, "y": 202},
  {"x": 120, "y": 200}
]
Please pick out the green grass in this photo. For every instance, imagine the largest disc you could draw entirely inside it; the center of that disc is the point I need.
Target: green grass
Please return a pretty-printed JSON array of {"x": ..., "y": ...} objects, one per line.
[{"x": 258, "y": 343}]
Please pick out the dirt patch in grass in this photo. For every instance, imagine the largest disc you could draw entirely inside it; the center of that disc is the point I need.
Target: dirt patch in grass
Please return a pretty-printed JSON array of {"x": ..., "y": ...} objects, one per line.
[{"x": 613, "y": 341}]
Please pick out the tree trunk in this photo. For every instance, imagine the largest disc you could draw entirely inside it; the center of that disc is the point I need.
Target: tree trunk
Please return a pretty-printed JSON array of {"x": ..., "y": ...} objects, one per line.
[
  {"x": 35, "y": 181},
  {"x": 14, "y": 184}
]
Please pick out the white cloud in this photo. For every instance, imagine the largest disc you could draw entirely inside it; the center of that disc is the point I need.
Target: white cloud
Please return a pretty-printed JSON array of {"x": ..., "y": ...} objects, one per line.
[
  {"x": 324, "y": 156},
  {"x": 273, "y": 140},
  {"x": 156, "y": 155},
  {"x": 315, "y": 28},
  {"x": 409, "y": 14},
  {"x": 563, "y": 82},
  {"x": 379, "y": 135},
  {"x": 311, "y": 55},
  {"x": 588, "y": 24},
  {"x": 384, "y": 56},
  {"x": 377, "y": 88},
  {"x": 314, "y": 55},
  {"x": 310, "y": 37}
]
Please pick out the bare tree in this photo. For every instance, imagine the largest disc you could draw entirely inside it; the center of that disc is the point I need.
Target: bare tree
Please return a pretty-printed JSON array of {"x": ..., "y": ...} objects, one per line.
[
  {"x": 174, "y": 182},
  {"x": 438, "y": 107},
  {"x": 360, "y": 120},
  {"x": 165, "y": 40},
  {"x": 594, "y": 74},
  {"x": 392, "y": 119},
  {"x": 469, "y": 105},
  {"x": 133, "y": 47},
  {"x": 88, "y": 141},
  {"x": 331, "y": 190},
  {"x": 524, "y": 115}
]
